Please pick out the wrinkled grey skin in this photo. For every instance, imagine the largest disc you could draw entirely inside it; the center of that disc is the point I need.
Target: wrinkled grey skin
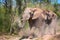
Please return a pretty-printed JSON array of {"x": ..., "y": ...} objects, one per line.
[{"x": 39, "y": 24}]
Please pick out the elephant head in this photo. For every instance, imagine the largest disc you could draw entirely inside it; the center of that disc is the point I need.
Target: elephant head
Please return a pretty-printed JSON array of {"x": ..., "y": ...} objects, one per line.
[
  {"x": 50, "y": 16},
  {"x": 31, "y": 14},
  {"x": 27, "y": 14}
]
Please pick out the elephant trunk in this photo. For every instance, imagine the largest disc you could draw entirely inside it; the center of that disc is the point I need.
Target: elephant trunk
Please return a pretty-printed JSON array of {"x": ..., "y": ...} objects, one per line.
[{"x": 48, "y": 20}]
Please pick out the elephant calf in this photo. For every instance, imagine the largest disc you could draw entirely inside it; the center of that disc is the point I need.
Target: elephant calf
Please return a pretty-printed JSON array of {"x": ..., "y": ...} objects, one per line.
[{"x": 50, "y": 22}]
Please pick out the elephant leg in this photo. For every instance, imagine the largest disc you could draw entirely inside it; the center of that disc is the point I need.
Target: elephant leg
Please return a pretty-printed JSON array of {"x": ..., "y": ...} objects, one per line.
[
  {"x": 52, "y": 27},
  {"x": 32, "y": 34},
  {"x": 32, "y": 30},
  {"x": 55, "y": 25},
  {"x": 43, "y": 29},
  {"x": 54, "y": 30}
]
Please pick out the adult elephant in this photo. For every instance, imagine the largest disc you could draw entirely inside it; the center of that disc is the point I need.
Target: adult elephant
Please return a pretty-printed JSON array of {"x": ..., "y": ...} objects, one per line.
[
  {"x": 32, "y": 14},
  {"x": 35, "y": 19},
  {"x": 38, "y": 19}
]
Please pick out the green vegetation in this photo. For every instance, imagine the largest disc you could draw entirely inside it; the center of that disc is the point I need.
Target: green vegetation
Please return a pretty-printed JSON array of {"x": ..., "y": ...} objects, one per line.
[{"x": 8, "y": 10}]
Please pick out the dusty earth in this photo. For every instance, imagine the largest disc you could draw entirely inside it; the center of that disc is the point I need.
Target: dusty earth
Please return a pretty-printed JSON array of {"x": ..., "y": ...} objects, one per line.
[
  {"x": 9, "y": 37},
  {"x": 16, "y": 37}
]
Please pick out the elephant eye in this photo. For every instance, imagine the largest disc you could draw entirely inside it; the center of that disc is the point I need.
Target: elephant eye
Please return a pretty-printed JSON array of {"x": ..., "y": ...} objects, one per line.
[
  {"x": 31, "y": 14},
  {"x": 53, "y": 15},
  {"x": 47, "y": 14}
]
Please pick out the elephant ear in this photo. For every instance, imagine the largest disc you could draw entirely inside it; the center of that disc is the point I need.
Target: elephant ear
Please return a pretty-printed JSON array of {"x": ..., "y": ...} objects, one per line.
[
  {"x": 54, "y": 16},
  {"x": 36, "y": 15}
]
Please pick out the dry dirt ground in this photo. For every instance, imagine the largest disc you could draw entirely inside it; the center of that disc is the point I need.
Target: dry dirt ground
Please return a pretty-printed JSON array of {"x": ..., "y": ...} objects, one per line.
[
  {"x": 15, "y": 37},
  {"x": 9, "y": 37}
]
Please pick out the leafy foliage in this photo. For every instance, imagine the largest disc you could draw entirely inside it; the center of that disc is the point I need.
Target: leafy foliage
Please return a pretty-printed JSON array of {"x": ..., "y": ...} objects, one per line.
[{"x": 7, "y": 10}]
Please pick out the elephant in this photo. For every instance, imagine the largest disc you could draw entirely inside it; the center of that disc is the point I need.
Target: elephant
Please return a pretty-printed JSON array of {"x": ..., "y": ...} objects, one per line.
[
  {"x": 30, "y": 16},
  {"x": 50, "y": 22},
  {"x": 38, "y": 19}
]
